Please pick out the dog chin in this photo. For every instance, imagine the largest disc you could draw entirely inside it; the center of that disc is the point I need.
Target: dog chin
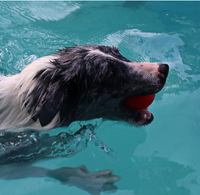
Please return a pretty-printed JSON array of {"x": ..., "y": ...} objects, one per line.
[{"x": 137, "y": 118}]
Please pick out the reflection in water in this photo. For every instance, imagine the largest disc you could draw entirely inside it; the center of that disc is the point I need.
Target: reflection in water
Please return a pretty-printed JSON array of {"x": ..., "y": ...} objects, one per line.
[
  {"x": 31, "y": 145},
  {"x": 16, "y": 148}
]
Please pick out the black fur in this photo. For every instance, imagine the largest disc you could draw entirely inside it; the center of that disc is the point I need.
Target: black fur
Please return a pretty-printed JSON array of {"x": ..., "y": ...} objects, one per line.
[{"x": 83, "y": 85}]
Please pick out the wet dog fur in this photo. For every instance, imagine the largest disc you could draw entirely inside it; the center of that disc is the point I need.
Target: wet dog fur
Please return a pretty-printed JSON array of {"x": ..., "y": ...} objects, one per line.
[{"x": 78, "y": 83}]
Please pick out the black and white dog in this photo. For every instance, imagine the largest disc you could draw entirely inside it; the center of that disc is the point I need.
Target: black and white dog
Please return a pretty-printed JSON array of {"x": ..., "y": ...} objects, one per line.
[{"x": 78, "y": 83}]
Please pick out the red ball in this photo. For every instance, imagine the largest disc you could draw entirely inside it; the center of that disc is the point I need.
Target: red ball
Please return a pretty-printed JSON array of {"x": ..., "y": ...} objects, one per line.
[{"x": 140, "y": 102}]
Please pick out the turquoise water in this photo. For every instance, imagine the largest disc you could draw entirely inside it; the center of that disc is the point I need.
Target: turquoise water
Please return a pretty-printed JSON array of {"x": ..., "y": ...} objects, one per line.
[{"x": 159, "y": 159}]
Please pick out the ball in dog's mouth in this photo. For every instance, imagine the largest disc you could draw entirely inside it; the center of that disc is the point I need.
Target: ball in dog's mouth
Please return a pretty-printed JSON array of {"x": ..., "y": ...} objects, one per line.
[
  {"x": 137, "y": 107},
  {"x": 140, "y": 102}
]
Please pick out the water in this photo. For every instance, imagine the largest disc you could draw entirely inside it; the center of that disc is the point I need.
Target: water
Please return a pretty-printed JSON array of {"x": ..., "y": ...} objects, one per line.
[{"x": 159, "y": 159}]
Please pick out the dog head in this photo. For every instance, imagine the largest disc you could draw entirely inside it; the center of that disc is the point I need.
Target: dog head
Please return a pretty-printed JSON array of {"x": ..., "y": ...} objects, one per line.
[{"x": 93, "y": 81}]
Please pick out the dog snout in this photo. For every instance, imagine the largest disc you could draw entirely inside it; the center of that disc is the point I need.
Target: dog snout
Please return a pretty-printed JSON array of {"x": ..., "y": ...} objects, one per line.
[
  {"x": 152, "y": 70},
  {"x": 163, "y": 70}
]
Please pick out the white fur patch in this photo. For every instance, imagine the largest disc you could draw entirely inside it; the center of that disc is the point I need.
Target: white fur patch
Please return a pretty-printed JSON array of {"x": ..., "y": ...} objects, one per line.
[
  {"x": 14, "y": 89},
  {"x": 98, "y": 52}
]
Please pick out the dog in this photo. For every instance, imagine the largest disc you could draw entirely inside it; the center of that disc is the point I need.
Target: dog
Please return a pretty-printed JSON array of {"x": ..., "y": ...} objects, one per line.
[{"x": 78, "y": 83}]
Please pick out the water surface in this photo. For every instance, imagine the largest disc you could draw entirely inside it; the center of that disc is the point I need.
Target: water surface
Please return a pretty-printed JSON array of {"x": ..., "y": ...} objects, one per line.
[{"x": 159, "y": 159}]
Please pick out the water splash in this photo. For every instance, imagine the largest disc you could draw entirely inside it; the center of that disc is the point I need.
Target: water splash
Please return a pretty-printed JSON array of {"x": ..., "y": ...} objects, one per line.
[{"x": 31, "y": 145}]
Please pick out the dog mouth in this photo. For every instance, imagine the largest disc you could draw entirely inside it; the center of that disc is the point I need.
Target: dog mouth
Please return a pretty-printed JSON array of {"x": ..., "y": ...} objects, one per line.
[{"x": 136, "y": 111}]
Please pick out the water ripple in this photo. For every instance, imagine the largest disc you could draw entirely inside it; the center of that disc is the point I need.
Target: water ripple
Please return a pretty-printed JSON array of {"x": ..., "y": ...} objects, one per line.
[{"x": 31, "y": 145}]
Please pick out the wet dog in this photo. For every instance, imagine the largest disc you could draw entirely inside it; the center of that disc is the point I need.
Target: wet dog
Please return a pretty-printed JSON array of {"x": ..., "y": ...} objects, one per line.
[{"x": 78, "y": 83}]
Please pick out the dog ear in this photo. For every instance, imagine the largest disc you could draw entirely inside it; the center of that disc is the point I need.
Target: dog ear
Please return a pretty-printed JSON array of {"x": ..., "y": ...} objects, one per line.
[{"x": 50, "y": 103}]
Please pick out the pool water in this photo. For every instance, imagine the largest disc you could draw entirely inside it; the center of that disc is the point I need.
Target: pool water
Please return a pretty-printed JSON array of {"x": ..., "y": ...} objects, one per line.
[{"x": 159, "y": 159}]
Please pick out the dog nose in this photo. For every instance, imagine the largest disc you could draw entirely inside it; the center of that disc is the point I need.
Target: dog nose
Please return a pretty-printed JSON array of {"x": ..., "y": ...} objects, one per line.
[{"x": 163, "y": 70}]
